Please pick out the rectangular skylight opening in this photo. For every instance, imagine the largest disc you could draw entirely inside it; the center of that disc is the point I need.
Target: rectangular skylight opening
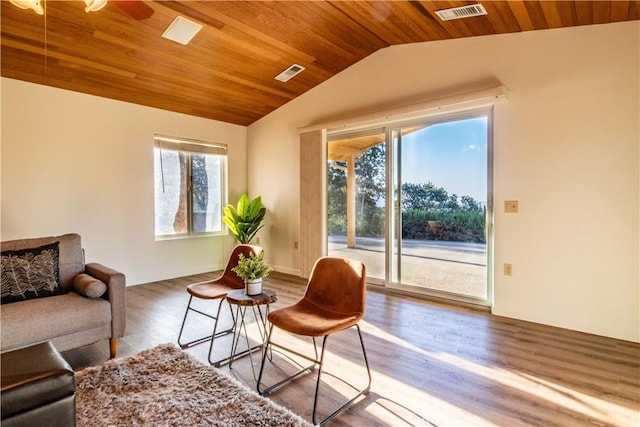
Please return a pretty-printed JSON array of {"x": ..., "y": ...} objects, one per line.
[
  {"x": 290, "y": 72},
  {"x": 181, "y": 30},
  {"x": 461, "y": 12}
]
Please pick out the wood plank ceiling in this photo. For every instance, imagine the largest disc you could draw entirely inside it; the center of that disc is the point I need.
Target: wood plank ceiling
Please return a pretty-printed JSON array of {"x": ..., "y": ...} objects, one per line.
[{"x": 227, "y": 72}]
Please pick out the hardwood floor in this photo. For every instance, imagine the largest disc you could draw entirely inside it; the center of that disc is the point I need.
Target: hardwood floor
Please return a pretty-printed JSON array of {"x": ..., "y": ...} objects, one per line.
[{"x": 432, "y": 364}]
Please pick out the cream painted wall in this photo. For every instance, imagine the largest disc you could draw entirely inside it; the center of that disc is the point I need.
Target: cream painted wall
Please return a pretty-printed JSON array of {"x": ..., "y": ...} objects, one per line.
[
  {"x": 566, "y": 146},
  {"x": 78, "y": 163}
]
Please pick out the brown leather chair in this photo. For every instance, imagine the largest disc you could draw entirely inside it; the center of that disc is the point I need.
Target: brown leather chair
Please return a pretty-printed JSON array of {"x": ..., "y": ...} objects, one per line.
[
  {"x": 334, "y": 301},
  {"x": 216, "y": 289}
]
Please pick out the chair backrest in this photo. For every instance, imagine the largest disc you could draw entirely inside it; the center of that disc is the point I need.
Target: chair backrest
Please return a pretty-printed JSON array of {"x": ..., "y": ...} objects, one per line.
[
  {"x": 339, "y": 285},
  {"x": 230, "y": 278}
]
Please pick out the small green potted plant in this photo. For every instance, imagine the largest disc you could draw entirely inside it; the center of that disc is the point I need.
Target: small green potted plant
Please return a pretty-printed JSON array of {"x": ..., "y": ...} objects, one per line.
[{"x": 252, "y": 270}]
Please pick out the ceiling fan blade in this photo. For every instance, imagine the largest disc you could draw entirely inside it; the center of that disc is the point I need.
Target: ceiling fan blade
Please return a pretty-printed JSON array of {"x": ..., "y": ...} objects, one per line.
[{"x": 137, "y": 9}]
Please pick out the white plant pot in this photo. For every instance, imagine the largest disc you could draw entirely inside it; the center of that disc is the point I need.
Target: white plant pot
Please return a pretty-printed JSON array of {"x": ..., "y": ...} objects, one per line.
[{"x": 253, "y": 287}]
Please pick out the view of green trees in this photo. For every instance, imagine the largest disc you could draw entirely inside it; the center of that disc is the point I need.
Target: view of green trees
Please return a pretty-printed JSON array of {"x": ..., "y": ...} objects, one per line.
[{"x": 429, "y": 212}]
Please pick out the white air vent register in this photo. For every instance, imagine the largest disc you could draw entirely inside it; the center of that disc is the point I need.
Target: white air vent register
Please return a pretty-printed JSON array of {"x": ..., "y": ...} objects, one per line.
[
  {"x": 290, "y": 72},
  {"x": 461, "y": 12}
]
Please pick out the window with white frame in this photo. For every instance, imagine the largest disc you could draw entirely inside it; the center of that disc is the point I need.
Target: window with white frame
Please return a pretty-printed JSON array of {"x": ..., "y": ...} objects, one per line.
[{"x": 190, "y": 178}]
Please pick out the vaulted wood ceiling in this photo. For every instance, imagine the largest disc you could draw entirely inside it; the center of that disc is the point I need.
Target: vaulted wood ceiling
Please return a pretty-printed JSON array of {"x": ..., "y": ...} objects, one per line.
[{"x": 227, "y": 71}]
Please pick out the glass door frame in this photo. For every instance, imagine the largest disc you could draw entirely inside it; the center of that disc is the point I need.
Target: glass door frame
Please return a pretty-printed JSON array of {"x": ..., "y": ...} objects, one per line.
[
  {"x": 393, "y": 216},
  {"x": 392, "y": 205}
]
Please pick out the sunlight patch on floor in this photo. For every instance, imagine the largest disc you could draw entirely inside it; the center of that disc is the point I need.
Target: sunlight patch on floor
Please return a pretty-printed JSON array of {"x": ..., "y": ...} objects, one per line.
[
  {"x": 570, "y": 399},
  {"x": 601, "y": 409}
]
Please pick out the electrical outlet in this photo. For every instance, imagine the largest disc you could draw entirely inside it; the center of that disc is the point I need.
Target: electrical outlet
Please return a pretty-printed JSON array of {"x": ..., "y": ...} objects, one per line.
[
  {"x": 511, "y": 206},
  {"x": 508, "y": 270}
]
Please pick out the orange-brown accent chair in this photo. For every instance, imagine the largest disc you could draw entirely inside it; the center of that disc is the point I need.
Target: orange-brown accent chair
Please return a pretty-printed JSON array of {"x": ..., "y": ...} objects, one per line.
[
  {"x": 216, "y": 289},
  {"x": 334, "y": 301}
]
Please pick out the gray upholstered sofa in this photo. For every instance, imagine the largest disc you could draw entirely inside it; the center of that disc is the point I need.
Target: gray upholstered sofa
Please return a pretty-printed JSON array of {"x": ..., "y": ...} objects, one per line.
[{"x": 65, "y": 317}]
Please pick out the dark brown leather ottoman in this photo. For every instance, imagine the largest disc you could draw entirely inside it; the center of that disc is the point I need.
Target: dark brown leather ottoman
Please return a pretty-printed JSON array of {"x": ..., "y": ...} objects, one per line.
[{"x": 38, "y": 388}]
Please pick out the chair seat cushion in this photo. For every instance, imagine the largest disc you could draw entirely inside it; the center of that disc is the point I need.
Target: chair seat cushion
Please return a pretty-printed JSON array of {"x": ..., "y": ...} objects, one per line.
[
  {"x": 309, "y": 319},
  {"x": 211, "y": 290},
  {"x": 32, "y": 377}
]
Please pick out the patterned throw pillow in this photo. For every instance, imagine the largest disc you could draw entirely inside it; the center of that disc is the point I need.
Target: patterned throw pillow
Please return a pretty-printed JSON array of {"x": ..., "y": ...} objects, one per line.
[{"x": 30, "y": 273}]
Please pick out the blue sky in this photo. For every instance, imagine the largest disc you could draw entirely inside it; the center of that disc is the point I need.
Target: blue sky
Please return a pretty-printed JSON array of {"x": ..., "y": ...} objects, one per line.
[{"x": 451, "y": 155}]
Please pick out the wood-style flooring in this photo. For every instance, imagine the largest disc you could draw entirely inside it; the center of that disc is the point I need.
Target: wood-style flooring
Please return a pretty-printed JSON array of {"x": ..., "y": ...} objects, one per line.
[{"x": 432, "y": 364}]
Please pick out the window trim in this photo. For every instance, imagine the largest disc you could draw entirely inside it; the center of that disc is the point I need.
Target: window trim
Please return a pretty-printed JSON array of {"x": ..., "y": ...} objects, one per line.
[{"x": 189, "y": 145}]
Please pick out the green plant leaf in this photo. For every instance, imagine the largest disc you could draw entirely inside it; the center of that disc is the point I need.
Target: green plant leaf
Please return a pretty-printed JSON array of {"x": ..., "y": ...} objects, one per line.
[
  {"x": 254, "y": 207},
  {"x": 252, "y": 267},
  {"x": 245, "y": 219},
  {"x": 230, "y": 212},
  {"x": 232, "y": 225},
  {"x": 242, "y": 206}
]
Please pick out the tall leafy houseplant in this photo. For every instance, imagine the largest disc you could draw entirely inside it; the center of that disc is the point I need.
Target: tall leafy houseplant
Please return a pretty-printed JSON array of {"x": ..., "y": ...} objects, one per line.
[{"x": 245, "y": 219}]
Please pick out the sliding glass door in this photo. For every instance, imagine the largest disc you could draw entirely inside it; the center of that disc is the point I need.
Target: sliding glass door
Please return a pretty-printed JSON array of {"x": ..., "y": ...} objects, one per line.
[
  {"x": 440, "y": 188},
  {"x": 433, "y": 235}
]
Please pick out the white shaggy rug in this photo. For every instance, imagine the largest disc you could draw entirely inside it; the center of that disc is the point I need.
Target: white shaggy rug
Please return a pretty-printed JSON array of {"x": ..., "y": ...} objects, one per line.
[{"x": 165, "y": 386}]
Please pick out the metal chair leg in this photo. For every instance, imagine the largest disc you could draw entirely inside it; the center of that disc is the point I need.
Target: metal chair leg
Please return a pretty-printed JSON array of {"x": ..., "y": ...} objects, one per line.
[
  {"x": 214, "y": 335},
  {"x": 205, "y": 338},
  {"x": 353, "y": 399},
  {"x": 317, "y": 361},
  {"x": 292, "y": 377},
  {"x": 184, "y": 320}
]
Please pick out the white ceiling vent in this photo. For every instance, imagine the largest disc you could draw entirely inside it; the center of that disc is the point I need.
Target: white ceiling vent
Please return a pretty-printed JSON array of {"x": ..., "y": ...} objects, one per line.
[
  {"x": 461, "y": 12},
  {"x": 287, "y": 74},
  {"x": 181, "y": 30}
]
